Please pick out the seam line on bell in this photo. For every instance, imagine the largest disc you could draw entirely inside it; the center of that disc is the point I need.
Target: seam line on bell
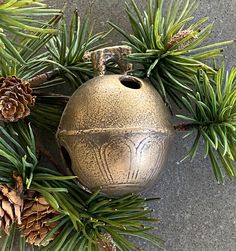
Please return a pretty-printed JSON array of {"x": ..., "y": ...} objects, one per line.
[{"x": 96, "y": 130}]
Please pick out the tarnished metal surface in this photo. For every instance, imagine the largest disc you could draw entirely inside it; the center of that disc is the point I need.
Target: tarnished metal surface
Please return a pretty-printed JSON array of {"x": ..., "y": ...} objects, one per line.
[{"x": 116, "y": 132}]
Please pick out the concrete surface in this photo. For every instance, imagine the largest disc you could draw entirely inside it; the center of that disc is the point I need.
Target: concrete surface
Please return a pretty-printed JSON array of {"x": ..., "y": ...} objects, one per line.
[{"x": 196, "y": 213}]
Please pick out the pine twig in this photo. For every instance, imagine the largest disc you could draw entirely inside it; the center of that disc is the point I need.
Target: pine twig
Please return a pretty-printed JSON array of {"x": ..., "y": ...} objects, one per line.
[
  {"x": 184, "y": 127},
  {"x": 43, "y": 78},
  {"x": 43, "y": 151},
  {"x": 63, "y": 98}
]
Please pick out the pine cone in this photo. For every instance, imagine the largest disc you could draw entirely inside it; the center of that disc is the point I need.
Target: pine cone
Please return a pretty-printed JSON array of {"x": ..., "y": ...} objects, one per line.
[
  {"x": 179, "y": 37},
  {"x": 107, "y": 244},
  {"x": 15, "y": 97},
  {"x": 11, "y": 205},
  {"x": 35, "y": 221}
]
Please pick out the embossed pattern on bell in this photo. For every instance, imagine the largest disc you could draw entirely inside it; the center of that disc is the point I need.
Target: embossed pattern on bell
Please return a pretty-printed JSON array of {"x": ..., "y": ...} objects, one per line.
[{"x": 117, "y": 133}]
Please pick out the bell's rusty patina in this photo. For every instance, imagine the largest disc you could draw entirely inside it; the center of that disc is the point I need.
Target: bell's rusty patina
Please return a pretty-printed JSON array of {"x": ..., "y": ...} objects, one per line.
[{"x": 116, "y": 132}]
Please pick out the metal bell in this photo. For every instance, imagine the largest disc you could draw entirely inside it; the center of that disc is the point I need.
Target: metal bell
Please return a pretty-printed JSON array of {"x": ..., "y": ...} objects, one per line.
[{"x": 115, "y": 134}]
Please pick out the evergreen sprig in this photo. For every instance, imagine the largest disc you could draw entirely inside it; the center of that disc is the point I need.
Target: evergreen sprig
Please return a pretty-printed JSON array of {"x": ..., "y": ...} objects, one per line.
[
  {"x": 167, "y": 46},
  {"x": 64, "y": 55},
  {"x": 66, "y": 51},
  {"x": 18, "y": 153},
  {"x": 212, "y": 109},
  {"x": 48, "y": 110},
  {"x": 83, "y": 217},
  {"x": 28, "y": 51},
  {"x": 19, "y": 18}
]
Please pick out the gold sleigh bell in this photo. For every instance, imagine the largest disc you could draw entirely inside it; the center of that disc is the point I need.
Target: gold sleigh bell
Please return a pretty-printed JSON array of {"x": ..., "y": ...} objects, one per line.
[{"x": 115, "y": 133}]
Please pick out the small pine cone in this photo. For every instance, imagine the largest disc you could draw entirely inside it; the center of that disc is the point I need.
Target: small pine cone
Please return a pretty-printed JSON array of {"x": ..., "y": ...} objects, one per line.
[
  {"x": 107, "y": 244},
  {"x": 11, "y": 205},
  {"x": 15, "y": 99},
  {"x": 179, "y": 37},
  {"x": 35, "y": 221}
]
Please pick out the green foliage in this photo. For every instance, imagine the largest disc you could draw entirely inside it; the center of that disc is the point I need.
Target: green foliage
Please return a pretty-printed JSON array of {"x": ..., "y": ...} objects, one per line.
[
  {"x": 8, "y": 241},
  {"x": 48, "y": 110},
  {"x": 167, "y": 46},
  {"x": 62, "y": 52},
  {"x": 18, "y": 17},
  {"x": 83, "y": 217},
  {"x": 212, "y": 109},
  {"x": 28, "y": 52},
  {"x": 33, "y": 51},
  {"x": 66, "y": 51},
  {"x": 18, "y": 153},
  {"x": 126, "y": 216}
]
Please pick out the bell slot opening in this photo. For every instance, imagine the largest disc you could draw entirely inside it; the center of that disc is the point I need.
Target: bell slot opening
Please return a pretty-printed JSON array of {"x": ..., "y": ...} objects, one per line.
[
  {"x": 130, "y": 82},
  {"x": 66, "y": 158}
]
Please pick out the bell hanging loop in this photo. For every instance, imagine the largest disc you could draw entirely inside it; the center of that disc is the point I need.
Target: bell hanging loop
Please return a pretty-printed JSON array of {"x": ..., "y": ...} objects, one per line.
[{"x": 116, "y": 54}]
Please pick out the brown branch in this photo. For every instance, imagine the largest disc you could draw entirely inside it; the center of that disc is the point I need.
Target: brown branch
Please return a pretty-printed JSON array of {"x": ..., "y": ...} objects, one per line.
[
  {"x": 43, "y": 78},
  {"x": 41, "y": 149},
  {"x": 63, "y": 98},
  {"x": 185, "y": 127}
]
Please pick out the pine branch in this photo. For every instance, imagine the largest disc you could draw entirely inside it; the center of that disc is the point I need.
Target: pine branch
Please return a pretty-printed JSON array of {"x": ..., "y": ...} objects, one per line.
[
  {"x": 168, "y": 47},
  {"x": 43, "y": 151},
  {"x": 82, "y": 218},
  {"x": 46, "y": 70},
  {"x": 185, "y": 127},
  {"x": 22, "y": 59},
  {"x": 48, "y": 110},
  {"x": 213, "y": 113},
  {"x": 41, "y": 79},
  {"x": 18, "y": 18},
  {"x": 66, "y": 50},
  {"x": 18, "y": 151}
]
